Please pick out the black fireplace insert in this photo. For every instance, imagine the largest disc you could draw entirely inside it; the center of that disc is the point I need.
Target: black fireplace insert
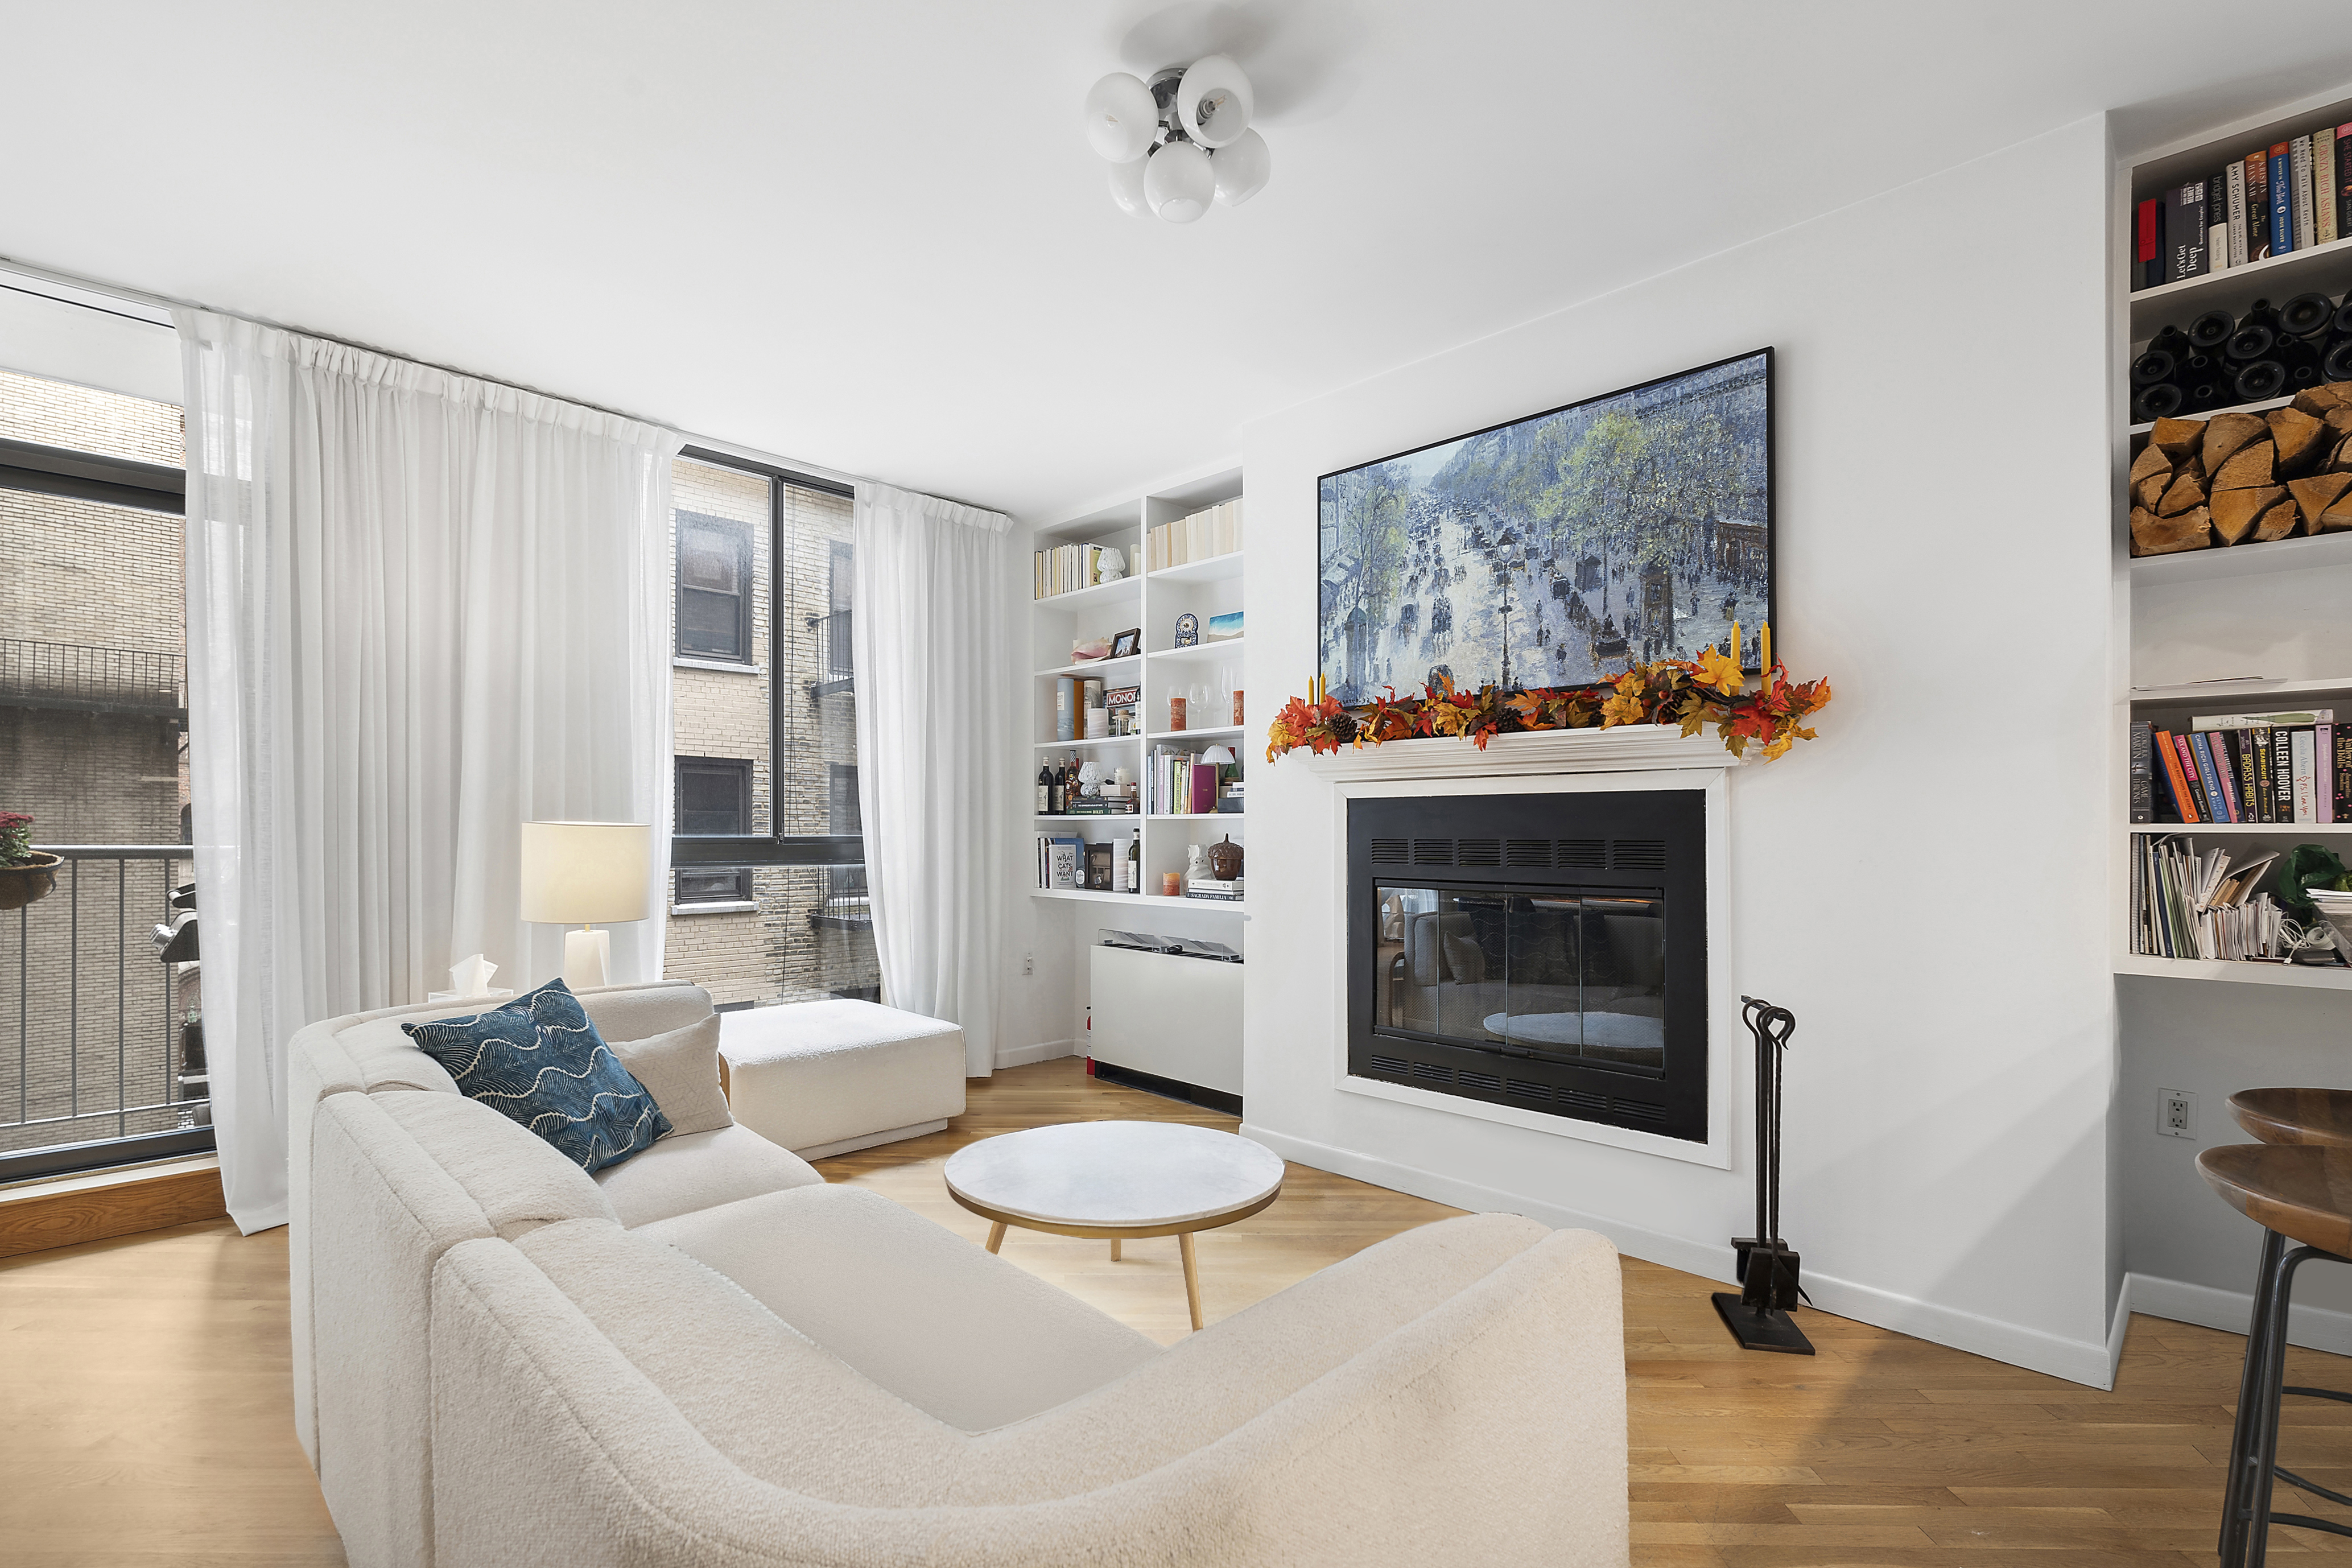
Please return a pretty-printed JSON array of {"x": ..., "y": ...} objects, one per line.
[{"x": 1542, "y": 950}]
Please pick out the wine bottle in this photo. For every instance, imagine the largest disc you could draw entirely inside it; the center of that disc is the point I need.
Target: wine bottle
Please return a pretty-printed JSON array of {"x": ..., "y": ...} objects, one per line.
[
  {"x": 1045, "y": 789},
  {"x": 2208, "y": 331},
  {"x": 2305, "y": 314},
  {"x": 1135, "y": 862},
  {"x": 1059, "y": 795}
]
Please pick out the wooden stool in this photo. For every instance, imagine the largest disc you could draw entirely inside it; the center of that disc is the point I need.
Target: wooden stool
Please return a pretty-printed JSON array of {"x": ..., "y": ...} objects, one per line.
[
  {"x": 2321, "y": 1115},
  {"x": 2303, "y": 1193}
]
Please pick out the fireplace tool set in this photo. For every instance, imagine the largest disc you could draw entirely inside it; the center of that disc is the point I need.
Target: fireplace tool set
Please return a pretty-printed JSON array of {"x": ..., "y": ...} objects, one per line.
[{"x": 1766, "y": 1266}]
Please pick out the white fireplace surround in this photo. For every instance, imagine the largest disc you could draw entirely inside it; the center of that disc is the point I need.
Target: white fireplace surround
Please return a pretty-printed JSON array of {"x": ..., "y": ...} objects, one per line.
[{"x": 1646, "y": 757}]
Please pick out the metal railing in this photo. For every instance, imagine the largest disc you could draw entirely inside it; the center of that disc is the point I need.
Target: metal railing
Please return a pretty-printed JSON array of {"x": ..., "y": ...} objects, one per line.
[
  {"x": 845, "y": 906},
  {"x": 99, "y": 1070},
  {"x": 836, "y": 671},
  {"x": 80, "y": 679}
]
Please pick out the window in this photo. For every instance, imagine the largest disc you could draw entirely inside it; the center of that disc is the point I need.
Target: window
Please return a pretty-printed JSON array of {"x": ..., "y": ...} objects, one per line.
[
  {"x": 714, "y": 588},
  {"x": 767, "y": 779},
  {"x": 714, "y": 800}
]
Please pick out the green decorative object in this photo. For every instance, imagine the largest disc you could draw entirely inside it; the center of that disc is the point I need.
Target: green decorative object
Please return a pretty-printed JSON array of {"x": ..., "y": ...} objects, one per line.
[{"x": 2309, "y": 866}]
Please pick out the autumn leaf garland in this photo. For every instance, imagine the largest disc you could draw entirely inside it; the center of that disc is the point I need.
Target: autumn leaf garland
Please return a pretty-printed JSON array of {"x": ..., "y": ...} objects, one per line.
[{"x": 1692, "y": 693}]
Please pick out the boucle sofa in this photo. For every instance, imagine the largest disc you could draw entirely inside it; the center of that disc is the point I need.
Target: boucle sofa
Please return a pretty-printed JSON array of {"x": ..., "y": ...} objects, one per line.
[{"x": 723, "y": 1360}]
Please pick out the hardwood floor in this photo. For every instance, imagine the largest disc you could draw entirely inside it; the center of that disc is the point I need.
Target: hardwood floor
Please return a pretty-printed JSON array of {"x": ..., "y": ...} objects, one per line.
[{"x": 145, "y": 1396}]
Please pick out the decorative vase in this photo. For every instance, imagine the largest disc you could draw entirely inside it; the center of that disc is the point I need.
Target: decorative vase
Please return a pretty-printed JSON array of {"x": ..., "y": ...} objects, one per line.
[
  {"x": 29, "y": 883},
  {"x": 1226, "y": 860}
]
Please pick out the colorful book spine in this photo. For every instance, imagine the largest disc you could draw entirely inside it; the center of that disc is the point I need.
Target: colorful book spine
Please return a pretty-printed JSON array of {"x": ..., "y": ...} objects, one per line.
[
  {"x": 2147, "y": 257},
  {"x": 2282, "y": 773},
  {"x": 2323, "y": 185},
  {"x": 2208, "y": 779},
  {"x": 2170, "y": 747},
  {"x": 2281, "y": 197},
  {"x": 2143, "y": 782},
  {"x": 2322, "y": 783},
  {"x": 2234, "y": 214},
  {"x": 2265, "y": 773},
  {"x": 2305, "y": 777},
  {"x": 2344, "y": 176},
  {"x": 2343, "y": 774},
  {"x": 2185, "y": 254},
  {"x": 2298, "y": 157},
  {"x": 2242, "y": 748},
  {"x": 2258, "y": 207},
  {"x": 2223, "y": 768}
]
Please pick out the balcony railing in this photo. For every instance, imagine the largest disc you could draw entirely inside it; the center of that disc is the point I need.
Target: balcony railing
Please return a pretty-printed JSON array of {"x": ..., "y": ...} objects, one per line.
[
  {"x": 103, "y": 1066},
  {"x": 835, "y": 668},
  {"x": 78, "y": 679}
]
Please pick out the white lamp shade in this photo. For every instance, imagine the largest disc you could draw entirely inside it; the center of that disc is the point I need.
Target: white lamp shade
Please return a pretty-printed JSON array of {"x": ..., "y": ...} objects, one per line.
[
  {"x": 1127, "y": 188},
  {"x": 1213, "y": 100},
  {"x": 1122, "y": 118},
  {"x": 1221, "y": 756},
  {"x": 1242, "y": 166},
  {"x": 1178, "y": 183},
  {"x": 582, "y": 873}
]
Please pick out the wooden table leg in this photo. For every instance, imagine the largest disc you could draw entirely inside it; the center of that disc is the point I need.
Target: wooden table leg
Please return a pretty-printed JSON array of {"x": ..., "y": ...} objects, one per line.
[
  {"x": 1114, "y": 1250},
  {"x": 995, "y": 1235},
  {"x": 1191, "y": 1277}
]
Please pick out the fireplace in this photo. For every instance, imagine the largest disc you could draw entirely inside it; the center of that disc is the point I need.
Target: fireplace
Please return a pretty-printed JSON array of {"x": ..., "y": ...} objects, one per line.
[{"x": 1544, "y": 951}]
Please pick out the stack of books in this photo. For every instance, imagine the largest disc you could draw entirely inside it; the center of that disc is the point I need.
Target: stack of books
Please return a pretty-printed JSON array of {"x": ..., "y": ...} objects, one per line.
[
  {"x": 1216, "y": 530},
  {"x": 2244, "y": 767},
  {"x": 2188, "y": 905},
  {"x": 1179, "y": 782},
  {"x": 1210, "y": 888},
  {"x": 1066, "y": 568},
  {"x": 2288, "y": 196}
]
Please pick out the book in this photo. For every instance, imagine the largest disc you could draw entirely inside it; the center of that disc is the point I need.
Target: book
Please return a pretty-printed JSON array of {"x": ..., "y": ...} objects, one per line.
[
  {"x": 2225, "y": 773},
  {"x": 2184, "y": 809},
  {"x": 2248, "y": 720},
  {"x": 2323, "y": 185},
  {"x": 2185, "y": 254},
  {"x": 2305, "y": 764},
  {"x": 2280, "y": 195},
  {"x": 2208, "y": 778},
  {"x": 2187, "y": 904},
  {"x": 2265, "y": 774},
  {"x": 1099, "y": 863},
  {"x": 2298, "y": 159},
  {"x": 2197, "y": 800},
  {"x": 2148, "y": 255},
  {"x": 1204, "y": 786},
  {"x": 2343, "y": 768},
  {"x": 2323, "y": 770},
  {"x": 2143, "y": 786},
  {"x": 2282, "y": 773},
  {"x": 2258, "y": 207},
  {"x": 2242, "y": 748},
  {"x": 2343, "y": 176},
  {"x": 2234, "y": 214},
  {"x": 1065, "y": 707}
]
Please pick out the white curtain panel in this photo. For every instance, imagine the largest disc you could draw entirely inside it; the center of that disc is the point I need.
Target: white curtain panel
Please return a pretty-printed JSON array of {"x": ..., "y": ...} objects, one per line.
[
  {"x": 423, "y": 609},
  {"x": 934, "y": 751}
]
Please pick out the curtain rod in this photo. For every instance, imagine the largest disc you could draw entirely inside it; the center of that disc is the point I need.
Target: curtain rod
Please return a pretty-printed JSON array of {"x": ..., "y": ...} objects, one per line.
[{"x": 168, "y": 301}]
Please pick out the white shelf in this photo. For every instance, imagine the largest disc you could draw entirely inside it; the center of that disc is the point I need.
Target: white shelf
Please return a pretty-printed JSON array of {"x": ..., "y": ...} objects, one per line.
[
  {"x": 1193, "y": 816},
  {"x": 2325, "y": 268},
  {"x": 2229, "y": 692},
  {"x": 2299, "y": 553},
  {"x": 1230, "y": 647},
  {"x": 1222, "y": 731},
  {"x": 1110, "y": 593},
  {"x": 1228, "y": 906},
  {"x": 1089, "y": 666},
  {"x": 2146, "y": 426},
  {"x": 1066, "y": 745},
  {"x": 1091, "y": 817},
  {"x": 1086, "y": 896},
  {"x": 2249, "y": 830},
  {"x": 2244, "y": 974},
  {"x": 1214, "y": 569}
]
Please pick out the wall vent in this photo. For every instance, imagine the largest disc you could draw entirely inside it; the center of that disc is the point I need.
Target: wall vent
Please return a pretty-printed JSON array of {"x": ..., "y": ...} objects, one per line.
[
  {"x": 1433, "y": 1074},
  {"x": 1477, "y": 852},
  {"x": 1640, "y": 1109},
  {"x": 1433, "y": 852},
  {"x": 1580, "y": 1099},
  {"x": 1394, "y": 1065},
  {"x": 1527, "y": 852},
  {"x": 1520, "y": 1088},
  {"x": 1637, "y": 853},
  {"x": 1391, "y": 852},
  {"x": 1487, "y": 1081}
]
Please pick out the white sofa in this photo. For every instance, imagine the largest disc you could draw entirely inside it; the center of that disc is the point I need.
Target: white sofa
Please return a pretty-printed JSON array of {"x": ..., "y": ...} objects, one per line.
[{"x": 722, "y": 1360}]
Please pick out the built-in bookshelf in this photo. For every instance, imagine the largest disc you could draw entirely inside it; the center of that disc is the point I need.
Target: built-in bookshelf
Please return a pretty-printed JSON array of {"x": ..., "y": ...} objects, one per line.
[
  {"x": 2224, "y": 628},
  {"x": 1148, "y": 601}
]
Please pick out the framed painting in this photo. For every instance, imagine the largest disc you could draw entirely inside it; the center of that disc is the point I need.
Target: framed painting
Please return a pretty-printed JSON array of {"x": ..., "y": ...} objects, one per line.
[{"x": 1557, "y": 548}]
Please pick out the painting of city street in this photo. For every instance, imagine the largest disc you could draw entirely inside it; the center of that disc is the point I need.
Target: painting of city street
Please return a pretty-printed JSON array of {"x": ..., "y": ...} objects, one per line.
[{"x": 1556, "y": 550}]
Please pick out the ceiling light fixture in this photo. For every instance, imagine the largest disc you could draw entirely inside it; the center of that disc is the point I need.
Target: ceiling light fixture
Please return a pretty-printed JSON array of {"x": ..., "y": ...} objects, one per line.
[{"x": 1179, "y": 140}]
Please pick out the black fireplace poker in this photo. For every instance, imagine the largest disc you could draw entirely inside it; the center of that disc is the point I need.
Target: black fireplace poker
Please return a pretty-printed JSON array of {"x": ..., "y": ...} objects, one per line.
[{"x": 1766, "y": 1266}]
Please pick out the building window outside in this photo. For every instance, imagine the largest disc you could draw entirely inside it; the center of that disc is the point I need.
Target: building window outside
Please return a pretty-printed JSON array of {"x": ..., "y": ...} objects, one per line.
[
  {"x": 714, "y": 587},
  {"x": 714, "y": 800},
  {"x": 787, "y": 719}
]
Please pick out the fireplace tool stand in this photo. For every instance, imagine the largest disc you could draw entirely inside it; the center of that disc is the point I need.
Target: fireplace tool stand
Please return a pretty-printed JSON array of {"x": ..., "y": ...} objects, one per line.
[{"x": 1766, "y": 1266}]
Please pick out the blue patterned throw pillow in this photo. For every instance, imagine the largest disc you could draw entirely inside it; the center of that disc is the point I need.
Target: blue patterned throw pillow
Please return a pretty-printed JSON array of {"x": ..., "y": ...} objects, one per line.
[{"x": 540, "y": 1060}]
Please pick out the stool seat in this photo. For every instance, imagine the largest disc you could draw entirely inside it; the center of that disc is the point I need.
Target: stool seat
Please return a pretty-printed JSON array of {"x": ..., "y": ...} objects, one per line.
[
  {"x": 2321, "y": 1115},
  {"x": 2304, "y": 1192}
]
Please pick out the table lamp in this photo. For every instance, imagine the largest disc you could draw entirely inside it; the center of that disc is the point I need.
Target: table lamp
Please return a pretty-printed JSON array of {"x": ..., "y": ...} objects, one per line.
[{"x": 585, "y": 873}]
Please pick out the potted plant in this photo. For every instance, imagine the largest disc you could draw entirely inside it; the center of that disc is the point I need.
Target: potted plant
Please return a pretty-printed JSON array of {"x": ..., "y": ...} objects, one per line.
[{"x": 26, "y": 873}]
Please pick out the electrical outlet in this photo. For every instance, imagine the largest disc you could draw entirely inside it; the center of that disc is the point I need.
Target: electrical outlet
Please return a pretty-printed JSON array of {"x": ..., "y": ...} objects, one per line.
[{"x": 2176, "y": 1113}]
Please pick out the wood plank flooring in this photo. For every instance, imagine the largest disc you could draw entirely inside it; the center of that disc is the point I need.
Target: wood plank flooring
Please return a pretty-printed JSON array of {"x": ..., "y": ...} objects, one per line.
[{"x": 145, "y": 1400}]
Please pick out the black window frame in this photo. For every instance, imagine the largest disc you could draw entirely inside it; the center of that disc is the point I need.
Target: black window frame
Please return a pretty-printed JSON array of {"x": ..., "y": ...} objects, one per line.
[
  {"x": 721, "y": 885},
  {"x": 771, "y": 849},
  {"x": 746, "y": 559}
]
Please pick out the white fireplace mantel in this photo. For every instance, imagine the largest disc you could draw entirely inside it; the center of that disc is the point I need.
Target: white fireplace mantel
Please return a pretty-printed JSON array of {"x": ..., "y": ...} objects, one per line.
[{"x": 1628, "y": 748}]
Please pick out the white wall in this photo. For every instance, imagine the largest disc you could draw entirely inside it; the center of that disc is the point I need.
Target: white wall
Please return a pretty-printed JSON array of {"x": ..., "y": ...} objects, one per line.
[{"x": 1925, "y": 884}]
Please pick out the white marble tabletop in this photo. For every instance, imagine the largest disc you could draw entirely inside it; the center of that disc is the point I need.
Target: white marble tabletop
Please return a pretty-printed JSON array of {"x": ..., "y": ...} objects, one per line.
[{"x": 1115, "y": 1173}]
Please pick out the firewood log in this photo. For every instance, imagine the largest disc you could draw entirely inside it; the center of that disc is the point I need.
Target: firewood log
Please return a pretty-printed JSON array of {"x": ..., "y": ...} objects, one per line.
[
  {"x": 2150, "y": 491},
  {"x": 2154, "y": 536},
  {"x": 2185, "y": 491},
  {"x": 2297, "y": 437},
  {"x": 2225, "y": 433},
  {"x": 2278, "y": 522},
  {"x": 2151, "y": 460},
  {"x": 2251, "y": 467},
  {"x": 2338, "y": 514},
  {"x": 2317, "y": 401},
  {"x": 2315, "y": 494},
  {"x": 2179, "y": 439},
  {"x": 2342, "y": 460},
  {"x": 2235, "y": 512}
]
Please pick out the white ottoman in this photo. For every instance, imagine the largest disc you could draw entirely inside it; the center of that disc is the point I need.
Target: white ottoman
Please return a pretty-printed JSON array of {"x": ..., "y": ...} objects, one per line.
[{"x": 825, "y": 1078}]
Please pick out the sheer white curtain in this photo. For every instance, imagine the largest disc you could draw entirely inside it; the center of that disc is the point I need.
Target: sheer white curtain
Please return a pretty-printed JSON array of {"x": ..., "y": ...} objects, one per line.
[
  {"x": 422, "y": 610},
  {"x": 934, "y": 755}
]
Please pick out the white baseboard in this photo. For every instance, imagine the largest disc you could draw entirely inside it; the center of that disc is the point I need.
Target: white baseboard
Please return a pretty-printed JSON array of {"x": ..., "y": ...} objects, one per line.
[
  {"x": 2077, "y": 1360},
  {"x": 2315, "y": 1327},
  {"x": 1042, "y": 1051}
]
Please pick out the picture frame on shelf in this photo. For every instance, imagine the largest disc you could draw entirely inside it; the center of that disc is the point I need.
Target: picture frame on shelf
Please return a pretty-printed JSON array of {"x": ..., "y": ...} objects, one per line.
[
  {"x": 1188, "y": 630},
  {"x": 1127, "y": 643}
]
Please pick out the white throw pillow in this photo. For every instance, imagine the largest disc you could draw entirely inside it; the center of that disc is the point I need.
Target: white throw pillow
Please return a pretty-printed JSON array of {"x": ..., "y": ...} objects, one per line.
[{"x": 680, "y": 1069}]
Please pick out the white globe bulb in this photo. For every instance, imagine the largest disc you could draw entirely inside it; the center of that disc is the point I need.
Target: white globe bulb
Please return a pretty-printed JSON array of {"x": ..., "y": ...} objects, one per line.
[
  {"x": 1178, "y": 183},
  {"x": 1242, "y": 166},
  {"x": 1213, "y": 100},
  {"x": 1122, "y": 118},
  {"x": 1127, "y": 188}
]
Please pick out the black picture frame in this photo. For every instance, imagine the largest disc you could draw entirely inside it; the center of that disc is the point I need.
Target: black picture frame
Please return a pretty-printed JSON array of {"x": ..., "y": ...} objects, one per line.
[
  {"x": 1127, "y": 643},
  {"x": 1349, "y": 635}
]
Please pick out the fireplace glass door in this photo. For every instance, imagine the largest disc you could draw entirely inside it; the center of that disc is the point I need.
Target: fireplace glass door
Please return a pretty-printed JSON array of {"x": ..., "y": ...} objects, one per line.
[{"x": 1555, "y": 975}]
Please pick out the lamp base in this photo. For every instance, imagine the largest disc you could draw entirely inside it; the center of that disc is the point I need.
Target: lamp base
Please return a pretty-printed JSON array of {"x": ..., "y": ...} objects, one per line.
[{"x": 587, "y": 958}]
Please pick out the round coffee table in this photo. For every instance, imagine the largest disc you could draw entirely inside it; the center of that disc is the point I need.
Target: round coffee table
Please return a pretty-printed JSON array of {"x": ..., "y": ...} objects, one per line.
[{"x": 1117, "y": 1181}]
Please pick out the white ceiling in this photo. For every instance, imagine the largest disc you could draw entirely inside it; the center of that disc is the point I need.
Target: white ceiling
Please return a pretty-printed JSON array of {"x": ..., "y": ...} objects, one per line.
[{"x": 870, "y": 235}]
